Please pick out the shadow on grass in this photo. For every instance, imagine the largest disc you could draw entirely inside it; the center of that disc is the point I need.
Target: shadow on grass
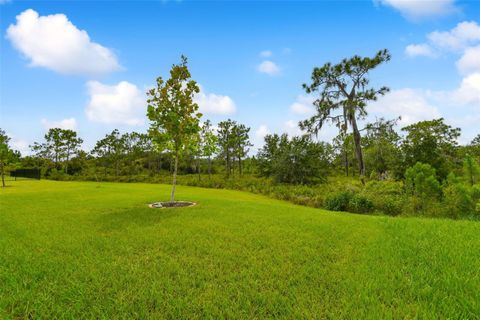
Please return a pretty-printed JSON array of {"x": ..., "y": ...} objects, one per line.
[{"x": 140, "y": 217}]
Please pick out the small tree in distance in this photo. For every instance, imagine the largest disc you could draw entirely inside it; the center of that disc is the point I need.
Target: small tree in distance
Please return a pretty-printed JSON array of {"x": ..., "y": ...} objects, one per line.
[
  {"x": 208, "y": 143},
  {"x": 174, "y": 117},
  {"x": 7, "y": 155}
]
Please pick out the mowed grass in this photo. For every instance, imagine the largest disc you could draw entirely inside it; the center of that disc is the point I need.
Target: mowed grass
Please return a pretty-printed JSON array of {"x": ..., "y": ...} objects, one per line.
[{"x": 80, "y": 250}]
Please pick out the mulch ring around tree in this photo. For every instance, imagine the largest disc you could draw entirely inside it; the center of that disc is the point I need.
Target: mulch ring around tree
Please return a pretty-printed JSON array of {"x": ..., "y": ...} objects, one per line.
[{"x": 168, "y": 204}]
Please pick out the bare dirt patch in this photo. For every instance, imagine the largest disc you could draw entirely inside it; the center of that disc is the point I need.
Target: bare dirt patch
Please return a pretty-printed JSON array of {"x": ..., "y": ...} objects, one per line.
[{"x": 168, "y": 204}]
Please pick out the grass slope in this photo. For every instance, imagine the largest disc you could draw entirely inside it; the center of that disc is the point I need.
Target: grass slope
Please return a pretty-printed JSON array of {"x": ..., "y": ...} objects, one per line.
[{"x": 95, "y": 250}]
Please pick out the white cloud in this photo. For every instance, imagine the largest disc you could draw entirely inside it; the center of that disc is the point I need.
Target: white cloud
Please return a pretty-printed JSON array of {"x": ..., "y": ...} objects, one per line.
[
  {"x": 470, "y": 61},
  {"x": 266, "y": 53},
  {"x": 421, "y": 9},
  {"x": 412, "y": 105},
  {"x": 414, "y": 50},
  {"x": 213, "y": 103},
  {"x": 269, "y": 68},
  {"x": 19, "y": 145},
  {"x": 70, "y": 123},
  {"x": 303, "y": 105},
  {"x": 261, "y": 132},
  {"x": 292, "y": 129},
  {"x": 53, "y": 42},
  {"x": 122, "y": 103},
  {"x": 468, "y": 92},
  {"x": 463, "y": 35},
  {"x": 461, "y": 39}
]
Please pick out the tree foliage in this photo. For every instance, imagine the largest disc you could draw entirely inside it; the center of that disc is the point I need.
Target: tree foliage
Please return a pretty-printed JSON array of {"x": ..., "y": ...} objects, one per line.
[
  {"x": 344, "y": 93},
  {"x": 233, "y": 143},
  {"x": 296, "y": 160},
  {"x": 8, "y": 156},
  {"x": 432, "y": 142},
  {"x": 59, "y": 146},
  {"x": 173, "y": 114}
]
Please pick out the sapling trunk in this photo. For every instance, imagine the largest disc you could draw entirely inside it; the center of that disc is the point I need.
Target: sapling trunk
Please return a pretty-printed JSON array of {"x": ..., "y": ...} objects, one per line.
[
  {"x": 172, "y": 196},
  {"x": 3, "y": 175}
]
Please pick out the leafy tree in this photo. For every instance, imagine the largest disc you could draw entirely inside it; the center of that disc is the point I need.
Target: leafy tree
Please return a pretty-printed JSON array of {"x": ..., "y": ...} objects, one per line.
[
  {"x": 268, "y": 153},
  {"x": 226, "y": 143},
  {"x": 174, "y": 117},
  {"x": 234, "y": 143},
  {"x": 471, "y": 170},
  {"x": 474, "y": 147},
  {"x": 381, "y": 145},
  {"x": 299, "y": 160},
  {"x": 208, "y": 144},
  {"x": 344, "y": 87},
  {"x": 432, "y": 142},
  {"x": 71, "y": 145},
  {"x": 137, "y": 147},
  {"x": 476, "y": 141},
  {"x": 421, "y": 181},
  {"x": 459, "y": 198},
  {"x": 241, "y": 143},
  {"x": 7, "y": 155},
  {"x": 344, "y": 147},
  {"x": 111, "y": 150},
  {"x": 59, "y": 146}
]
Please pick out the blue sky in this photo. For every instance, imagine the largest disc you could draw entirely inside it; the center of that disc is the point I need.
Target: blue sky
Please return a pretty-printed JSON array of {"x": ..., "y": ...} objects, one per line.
[{"x": 86, "y": 65}]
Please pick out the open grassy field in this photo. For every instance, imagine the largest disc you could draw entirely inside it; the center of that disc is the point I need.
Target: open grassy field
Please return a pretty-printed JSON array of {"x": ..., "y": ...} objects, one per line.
[{"x": 95, "y": 250}]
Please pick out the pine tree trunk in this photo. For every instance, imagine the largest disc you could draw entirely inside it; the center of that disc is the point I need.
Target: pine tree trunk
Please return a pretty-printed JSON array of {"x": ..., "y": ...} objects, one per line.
[
  {"x": 358, "y": 147},
  {"x": 174, "y": 183}
]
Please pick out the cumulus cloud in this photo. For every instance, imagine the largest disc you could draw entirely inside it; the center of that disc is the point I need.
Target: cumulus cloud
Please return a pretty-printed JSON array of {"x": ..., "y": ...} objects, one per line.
[
  {"x": 70, "y": 124},
  {"x": 412, "y": 105},
  {"x": 122, "y": 103},
  {"x": 266, "y": 53},
  {"x": 268, "y": 67},
  {"x": 261, "y": 132},
  {"x": 20, "y": 145},
  {"x": 213, "y": 103},
  {"x": 421, "y": 9},
  {"x": 303, "y": 105},
  {"x": 414, "y": 50},
  {"x": 463, "y": 35},
  {"x": 470, "y": 61},
  {"x": 463, "y": 39},
  {"x": 292, "y": 129},
  {"x": 469, "y": 91},
  {"x": 53, "y": 42}
]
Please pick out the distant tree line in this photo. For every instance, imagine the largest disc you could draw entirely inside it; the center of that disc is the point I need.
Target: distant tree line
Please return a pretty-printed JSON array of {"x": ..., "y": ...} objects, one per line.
[
  {"x": 387, "y": 153},
  {"x": 425, "y": 156}
]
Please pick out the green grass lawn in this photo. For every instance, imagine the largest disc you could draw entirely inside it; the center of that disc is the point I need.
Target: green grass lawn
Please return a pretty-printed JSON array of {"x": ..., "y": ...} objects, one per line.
[{"x": 95, "y": 250}]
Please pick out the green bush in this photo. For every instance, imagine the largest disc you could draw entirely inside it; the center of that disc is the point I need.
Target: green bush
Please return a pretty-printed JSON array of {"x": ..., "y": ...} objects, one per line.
[
  {"x": 338, "y": 201},
  {"x": 421, "y": 181},
  {"x": 360, "y": 204}
]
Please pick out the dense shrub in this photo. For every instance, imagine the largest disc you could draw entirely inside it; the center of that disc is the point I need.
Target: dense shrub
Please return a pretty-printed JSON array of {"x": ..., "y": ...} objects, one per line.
[
  {"x": 389, "y": 204},
  {"x": 338, "y": 201},
  {"x": 421, "y": 181},
  {"x": 360, "y": 204}
]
